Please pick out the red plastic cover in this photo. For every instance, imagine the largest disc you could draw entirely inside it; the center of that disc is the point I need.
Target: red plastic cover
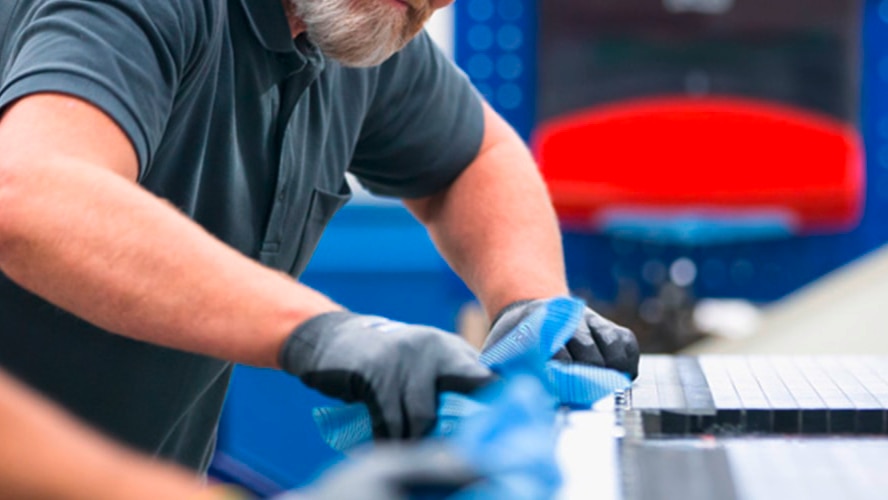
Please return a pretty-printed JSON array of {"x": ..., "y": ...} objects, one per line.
[{"x": 718, "y": 154}]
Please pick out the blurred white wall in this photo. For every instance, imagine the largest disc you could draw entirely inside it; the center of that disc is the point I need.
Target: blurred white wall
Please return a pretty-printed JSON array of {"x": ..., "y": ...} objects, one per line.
[
  {"x": 845, "y": 312},
  {"x": 440, "y": 27}
]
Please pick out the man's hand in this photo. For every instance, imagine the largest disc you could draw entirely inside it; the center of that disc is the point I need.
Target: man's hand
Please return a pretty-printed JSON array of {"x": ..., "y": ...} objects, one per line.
[
  {"x": 397, "y": 370},
  {"x": 597, "y": 340}
]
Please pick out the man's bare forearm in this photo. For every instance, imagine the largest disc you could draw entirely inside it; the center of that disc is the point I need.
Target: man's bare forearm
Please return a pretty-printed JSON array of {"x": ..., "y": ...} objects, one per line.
[
  {"x": 105, "y": 249},
  {"x": 495, "y": 224}
]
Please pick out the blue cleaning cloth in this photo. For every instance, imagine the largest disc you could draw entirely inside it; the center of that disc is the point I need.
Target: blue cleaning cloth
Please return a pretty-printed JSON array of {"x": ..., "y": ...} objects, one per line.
[
  {"x": 512, "y": 443},
  {"x": 526, "y": 349},
  {"x": 346, "y": 427}
]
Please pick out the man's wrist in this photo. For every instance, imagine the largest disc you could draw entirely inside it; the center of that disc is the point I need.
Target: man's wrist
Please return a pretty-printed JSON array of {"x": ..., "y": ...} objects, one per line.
[
  {"x": 305, "y": 335},
  {"x": 512, "y": 314},
  {"x": 495, "y": 303},
  {"x": 292, "y": 314},
  {"x": 515, "y": 304},
  {"x": 510, "y": 307}
]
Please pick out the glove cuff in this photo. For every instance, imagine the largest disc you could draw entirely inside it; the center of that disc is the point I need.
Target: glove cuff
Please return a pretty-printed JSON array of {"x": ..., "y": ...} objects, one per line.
[
  {"x": 306, "y": 338},
  {"x": 508, "y": 318},
  {"x": 510, "y": 307},
  {"x": 520, "y": 303},
  {"x": 510, "y": 321}
]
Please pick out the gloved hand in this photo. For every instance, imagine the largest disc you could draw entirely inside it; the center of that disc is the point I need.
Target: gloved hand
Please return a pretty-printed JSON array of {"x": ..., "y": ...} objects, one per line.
[
  {"x": 397, "y": 370},
  {"x": 393, "y": 472},
  {"x": 597, "y": 340}
]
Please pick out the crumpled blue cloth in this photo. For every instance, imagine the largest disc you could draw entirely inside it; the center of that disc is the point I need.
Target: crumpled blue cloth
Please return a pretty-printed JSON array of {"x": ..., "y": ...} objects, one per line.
[
  {"x": 512, "y": 443},
  {"x": 526, "y": 349}
]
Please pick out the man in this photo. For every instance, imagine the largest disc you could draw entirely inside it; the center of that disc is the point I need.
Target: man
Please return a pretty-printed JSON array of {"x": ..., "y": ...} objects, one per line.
[{"x": 165, "y": 165}]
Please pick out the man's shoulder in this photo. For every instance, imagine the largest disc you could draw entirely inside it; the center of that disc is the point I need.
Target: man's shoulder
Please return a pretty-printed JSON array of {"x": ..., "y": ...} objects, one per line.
[
  {"x": 175, "y": 13},
  {"x": 178, "y": 25}
]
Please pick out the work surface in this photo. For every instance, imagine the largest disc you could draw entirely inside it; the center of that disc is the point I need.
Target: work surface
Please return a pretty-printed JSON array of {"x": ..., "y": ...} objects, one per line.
[{"x": 735, "y": 427}]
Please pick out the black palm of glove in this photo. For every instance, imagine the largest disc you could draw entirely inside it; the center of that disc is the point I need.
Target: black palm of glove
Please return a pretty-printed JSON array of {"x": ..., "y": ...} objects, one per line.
[
  {"x": 393, "y": 472},
  {"x": 397, "y": 370},
  {"x": 597, "y": 340}
]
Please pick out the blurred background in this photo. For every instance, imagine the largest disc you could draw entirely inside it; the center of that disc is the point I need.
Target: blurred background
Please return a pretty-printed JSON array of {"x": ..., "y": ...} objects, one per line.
[{"x": 720, "y": 169}]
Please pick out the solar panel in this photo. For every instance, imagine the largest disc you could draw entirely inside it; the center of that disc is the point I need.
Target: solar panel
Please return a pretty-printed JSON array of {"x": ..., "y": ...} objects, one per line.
[
  {"x": 738, "y": 428},
  {"x": 754, "y": 469},
  {"x": 681, "y": 395}
]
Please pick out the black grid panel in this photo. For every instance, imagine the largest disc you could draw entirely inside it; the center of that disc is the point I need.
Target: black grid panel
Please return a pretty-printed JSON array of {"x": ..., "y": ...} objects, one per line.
[
  {"x": 810, "y": 468},
  {"x": 736, "y": 395}
]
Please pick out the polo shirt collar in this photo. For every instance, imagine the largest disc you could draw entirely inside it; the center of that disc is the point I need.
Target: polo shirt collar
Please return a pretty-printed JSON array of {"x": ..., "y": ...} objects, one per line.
[{"x": 269, "y": 23}]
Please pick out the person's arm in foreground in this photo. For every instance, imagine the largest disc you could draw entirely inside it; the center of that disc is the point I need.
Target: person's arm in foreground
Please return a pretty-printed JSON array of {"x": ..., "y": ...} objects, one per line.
[
  {"x": 496, "y": 226},
  {"x": 46, "y": 454}
]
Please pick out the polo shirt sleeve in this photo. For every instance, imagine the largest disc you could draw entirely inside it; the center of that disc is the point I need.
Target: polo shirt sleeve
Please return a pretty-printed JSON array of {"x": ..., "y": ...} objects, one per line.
[
  {"x": 125, "y": 57},
  {"x": 424, "y": 125}
]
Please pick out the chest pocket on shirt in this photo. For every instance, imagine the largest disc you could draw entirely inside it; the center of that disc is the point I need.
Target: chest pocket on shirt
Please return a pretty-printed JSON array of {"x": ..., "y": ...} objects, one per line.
[
  {"x": 321, "y": 209},
  {"x": 295, "y": 229}
]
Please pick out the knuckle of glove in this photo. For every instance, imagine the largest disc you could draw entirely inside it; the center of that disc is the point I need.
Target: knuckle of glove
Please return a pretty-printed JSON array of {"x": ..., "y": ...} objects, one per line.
[
  {"x": 421, "y": 421},
  {"x": 388, "y": 421},
  {"x": 604, "y": 332},
  {"x": 582, "y": 349},
  {"x": 617, "y": 344},
  {"x": 456, "y": 357}
]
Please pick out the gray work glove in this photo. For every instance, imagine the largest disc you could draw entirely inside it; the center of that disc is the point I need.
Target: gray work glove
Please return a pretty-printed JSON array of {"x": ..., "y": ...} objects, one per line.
[
  {"x": 393, "y": 472},
  {"x": 597, "y": 340},
  {"x": 397, "y": 370}
]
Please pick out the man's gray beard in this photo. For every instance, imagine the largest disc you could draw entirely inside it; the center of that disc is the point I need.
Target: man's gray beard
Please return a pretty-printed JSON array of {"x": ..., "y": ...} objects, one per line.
[{"x": 357, "y": 36}]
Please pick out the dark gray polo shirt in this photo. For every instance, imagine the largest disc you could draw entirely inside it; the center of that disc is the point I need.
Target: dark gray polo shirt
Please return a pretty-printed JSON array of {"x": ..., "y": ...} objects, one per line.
[{"x": 247, "y": 132}]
